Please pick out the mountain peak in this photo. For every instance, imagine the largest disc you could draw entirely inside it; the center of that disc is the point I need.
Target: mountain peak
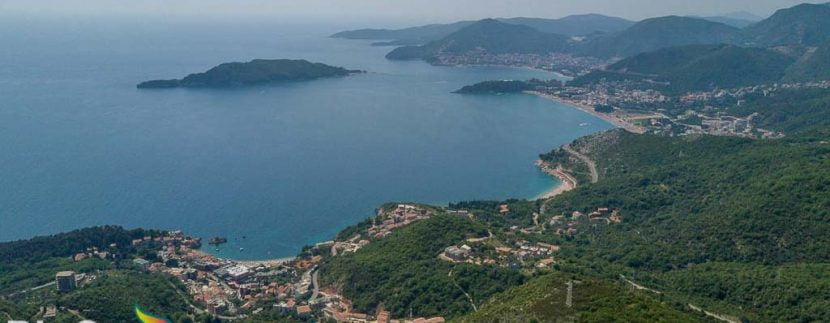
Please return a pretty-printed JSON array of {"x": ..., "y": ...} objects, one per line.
[{"x": 802, "y": 25}]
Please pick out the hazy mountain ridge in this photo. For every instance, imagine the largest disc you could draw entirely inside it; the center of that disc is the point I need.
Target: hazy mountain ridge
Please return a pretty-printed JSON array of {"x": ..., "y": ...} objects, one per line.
[
  {"x": 656, "y": 33},
  {"x": 489, "y": 35},
  {"x": 575, "y": 25},
  {"x": 702, "y": 67}
]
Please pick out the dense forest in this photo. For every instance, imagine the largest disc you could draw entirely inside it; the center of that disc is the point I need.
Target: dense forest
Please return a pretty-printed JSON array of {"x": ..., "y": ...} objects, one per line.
[
  {"x": 687, "y": 203},
  {"x": 105, "y": 299}
]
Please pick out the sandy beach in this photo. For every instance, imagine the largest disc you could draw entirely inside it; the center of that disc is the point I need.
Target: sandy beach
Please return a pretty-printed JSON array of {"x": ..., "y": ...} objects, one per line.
[
  {"x": 249, "y": 263},
  {"x": 568, "y": 182},
  {"x": 265, "y": 262},
  {"x": 611, "y": 118}
]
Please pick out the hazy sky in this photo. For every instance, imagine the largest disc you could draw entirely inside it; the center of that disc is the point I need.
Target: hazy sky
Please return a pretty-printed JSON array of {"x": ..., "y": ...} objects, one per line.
[{"x": 405, "y": 10}]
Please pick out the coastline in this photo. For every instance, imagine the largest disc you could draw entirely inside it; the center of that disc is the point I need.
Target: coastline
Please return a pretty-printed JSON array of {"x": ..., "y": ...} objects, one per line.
[
  {"x": 249, "y": 263},
  {"x": 610, "y": 118},
  {"x": 567, "y": 181}
]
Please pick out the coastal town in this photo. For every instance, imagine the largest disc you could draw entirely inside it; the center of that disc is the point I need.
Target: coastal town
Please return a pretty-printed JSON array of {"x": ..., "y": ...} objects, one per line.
[
  {"x": 234, "y": 290},
  {"x": 650, "y": 111},
  {"x": 565, "y": 64}
]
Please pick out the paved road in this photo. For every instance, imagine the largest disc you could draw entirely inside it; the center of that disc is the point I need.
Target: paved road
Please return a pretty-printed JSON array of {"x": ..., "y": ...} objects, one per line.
[
  {"x": 592, "y": 166},
  {"x": 316, "y": 285},
  {"x": 569, "y": 298},
  {"x": 32, "y": 289}
]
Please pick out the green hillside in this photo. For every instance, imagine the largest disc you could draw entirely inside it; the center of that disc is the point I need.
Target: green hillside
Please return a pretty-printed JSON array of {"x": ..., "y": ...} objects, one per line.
[
  {"x": 105, "y": 299},
  {"x": 402, "y": 272},
  {"x": 489, "y": 36},
  {"x": 790, "y": 111},
  {"x": 813, "y": 65},
  {"x": 699, "y": 67},
  {"x": 802, "y": 25},
  {"x": 692, "y": 201},
  {"x": 544, "y": 299}
]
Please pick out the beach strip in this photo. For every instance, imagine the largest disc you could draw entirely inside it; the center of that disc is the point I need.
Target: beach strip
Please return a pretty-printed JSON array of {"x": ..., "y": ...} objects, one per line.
[{"x": 610, "y": 118}]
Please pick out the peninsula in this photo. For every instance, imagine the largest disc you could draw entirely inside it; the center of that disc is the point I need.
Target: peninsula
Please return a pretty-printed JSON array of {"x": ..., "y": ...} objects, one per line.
[{"x": 255, "y": 72}]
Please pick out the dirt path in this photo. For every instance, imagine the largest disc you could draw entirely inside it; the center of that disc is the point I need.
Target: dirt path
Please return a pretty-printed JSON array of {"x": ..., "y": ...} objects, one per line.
[
  {"x": 720, "y": 317},
  {"x": 473, "y": 303},
  {"x": 592, "y": 166}
]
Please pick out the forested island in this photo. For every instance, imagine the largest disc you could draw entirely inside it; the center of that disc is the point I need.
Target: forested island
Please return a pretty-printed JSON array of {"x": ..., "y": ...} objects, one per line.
[{"x": 255, "y": 72}]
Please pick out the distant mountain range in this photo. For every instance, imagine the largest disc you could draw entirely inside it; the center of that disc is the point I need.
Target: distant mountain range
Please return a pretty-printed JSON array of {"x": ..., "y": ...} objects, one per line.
[
  {"x": 656, "y": 33},
  {"x": 489, "y": 35},
  {"x": 576, "y": 25},
  {"x": 685, "y": 53},
  {"x": 739, "y": 19}
]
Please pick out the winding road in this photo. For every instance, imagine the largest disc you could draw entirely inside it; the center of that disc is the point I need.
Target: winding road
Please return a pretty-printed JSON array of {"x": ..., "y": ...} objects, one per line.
[{"x": 592, "y": 166}]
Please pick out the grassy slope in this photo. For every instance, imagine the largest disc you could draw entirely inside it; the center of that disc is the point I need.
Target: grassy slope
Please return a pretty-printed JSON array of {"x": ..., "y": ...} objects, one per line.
[
  {"x": 403, "y": 272},
  {"x": 544, "y": 300}
]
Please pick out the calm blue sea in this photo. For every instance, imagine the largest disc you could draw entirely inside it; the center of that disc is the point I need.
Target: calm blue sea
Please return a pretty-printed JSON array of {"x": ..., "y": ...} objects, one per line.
[{"x": 283, "y": 165}]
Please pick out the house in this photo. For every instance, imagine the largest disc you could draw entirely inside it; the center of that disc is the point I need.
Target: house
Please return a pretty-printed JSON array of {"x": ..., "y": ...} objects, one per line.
[
  {"x": 456, "y": 253},
  {"x": 141, "y": 264},
  {"x": 304, "y": 311},
  {"x": 504, "y": 250},
  {"x": 65, "y": 281},
  {"x": 384, "y": 317},
  {"x": 286, "y": 306},
  {"x": 551, "y": 247},
  {"x": 615, "y": 217},
  {"x": 79, "y": 256},
  {"x": 545, "y": 263},
  {"x": 504, "y": 208}
]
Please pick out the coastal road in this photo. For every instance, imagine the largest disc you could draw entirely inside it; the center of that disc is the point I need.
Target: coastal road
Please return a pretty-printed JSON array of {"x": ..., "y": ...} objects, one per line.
[
  {"x": 592, "y": 166},
  {"x": 569, "y": 298},
  {"x": 316, "y": 285},
  {"x": 32, "y": 289}
]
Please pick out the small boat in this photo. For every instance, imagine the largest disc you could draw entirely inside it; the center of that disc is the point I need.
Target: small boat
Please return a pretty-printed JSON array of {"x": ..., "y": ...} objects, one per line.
[
  {"x": 241, "y": 249},
  {"x": 217, "y": 241}
]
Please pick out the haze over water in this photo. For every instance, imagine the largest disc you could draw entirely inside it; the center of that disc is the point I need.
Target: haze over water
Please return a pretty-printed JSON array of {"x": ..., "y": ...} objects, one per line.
[{"x": 284, "y": 165}]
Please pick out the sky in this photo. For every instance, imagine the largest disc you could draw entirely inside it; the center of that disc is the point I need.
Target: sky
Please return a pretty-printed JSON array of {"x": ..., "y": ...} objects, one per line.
[{"x": 405, "y": 11}]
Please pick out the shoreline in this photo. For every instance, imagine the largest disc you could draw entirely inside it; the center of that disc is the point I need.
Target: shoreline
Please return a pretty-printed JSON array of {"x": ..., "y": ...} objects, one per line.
[
  {"x": 537, "y": 69},
  {"x": 610, "y": 118},
  {"x": 250, "y": 263},
  {"x": 567, "y": 182}
]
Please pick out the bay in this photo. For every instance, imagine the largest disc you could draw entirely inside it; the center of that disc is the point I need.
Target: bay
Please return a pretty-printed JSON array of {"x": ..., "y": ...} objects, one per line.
[{"x": 282, "y": 165}]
